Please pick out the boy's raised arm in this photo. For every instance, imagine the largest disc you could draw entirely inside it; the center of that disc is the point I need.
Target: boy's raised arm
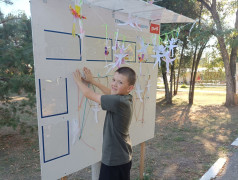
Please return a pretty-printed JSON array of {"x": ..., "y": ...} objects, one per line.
[
  {"x": 87, "y": 92},
  {"x": 89, "y": 78}
]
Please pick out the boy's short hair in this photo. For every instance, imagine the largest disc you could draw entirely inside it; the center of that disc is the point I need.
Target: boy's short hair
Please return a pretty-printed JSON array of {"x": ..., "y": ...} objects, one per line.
[{"x": 129, "y": 73}]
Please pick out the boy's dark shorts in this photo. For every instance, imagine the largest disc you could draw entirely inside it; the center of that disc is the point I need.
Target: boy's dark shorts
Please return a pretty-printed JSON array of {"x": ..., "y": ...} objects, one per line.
[{"x": 121, "y": 172}]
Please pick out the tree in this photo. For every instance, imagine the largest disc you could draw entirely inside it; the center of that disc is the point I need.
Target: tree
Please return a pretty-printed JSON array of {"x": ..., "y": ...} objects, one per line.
[
  {"x": 16, "y": 66},
  {"x": 215, "y": 8},
  {"x": 191, "y": 10},
  {"x": 200, "y": 39}
]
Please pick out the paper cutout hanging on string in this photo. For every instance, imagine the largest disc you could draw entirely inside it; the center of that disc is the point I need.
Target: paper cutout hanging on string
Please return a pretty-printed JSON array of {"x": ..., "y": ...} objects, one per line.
[
  {"x": 172, "y": 45},
  {"x": 162, "y": 53},
  {"x": 96, "y": 108},
  {"x": 148, "y": 87},
  {"x": 190, "y": 30},
  {"x": 131, "y": 21},
  {"x": 142, "y": 51},
  {"x": 168, "y": 60},
  {"x": 114, "y": 48},
  {"x": 106, "y": 52},
  {"x": 159, "y": 53},
  {"x": 75, "y": 130},
  {"x": 143, "y": 46},
  {"x": 76, "y": 12},
  {"x": 120, "y": 58},
  {"x": 138, "y": 91}
]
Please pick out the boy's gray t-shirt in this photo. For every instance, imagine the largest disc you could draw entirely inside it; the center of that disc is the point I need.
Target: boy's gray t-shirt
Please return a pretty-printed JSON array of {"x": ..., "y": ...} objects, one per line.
[{"x": 116, "y": 148}]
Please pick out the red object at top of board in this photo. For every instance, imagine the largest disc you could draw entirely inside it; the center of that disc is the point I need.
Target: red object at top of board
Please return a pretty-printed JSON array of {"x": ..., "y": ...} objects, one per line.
[{"x": 154, "y": 28}]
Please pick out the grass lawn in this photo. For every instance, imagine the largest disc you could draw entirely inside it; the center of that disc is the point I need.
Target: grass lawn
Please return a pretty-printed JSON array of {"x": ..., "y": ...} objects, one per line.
[
  {"x": 187, "y": 141},
  {"x": 197, "y": 87}
]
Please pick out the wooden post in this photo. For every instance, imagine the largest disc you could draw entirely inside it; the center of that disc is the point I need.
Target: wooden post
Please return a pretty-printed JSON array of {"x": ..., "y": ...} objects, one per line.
[
  {"x": 64, "y": 178},
  {"x": 142, "y": 160}
]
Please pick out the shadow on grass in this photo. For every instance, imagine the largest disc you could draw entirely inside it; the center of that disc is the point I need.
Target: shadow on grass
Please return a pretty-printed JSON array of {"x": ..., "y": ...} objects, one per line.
[{"x": 189, "y": 139}]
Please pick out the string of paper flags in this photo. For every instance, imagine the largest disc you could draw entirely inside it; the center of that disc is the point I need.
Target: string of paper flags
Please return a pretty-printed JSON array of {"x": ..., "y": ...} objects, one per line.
[{"x": 163, "y": 49}]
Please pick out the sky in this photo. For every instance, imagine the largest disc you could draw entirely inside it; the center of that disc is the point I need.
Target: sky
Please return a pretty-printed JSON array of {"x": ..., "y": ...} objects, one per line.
[{"x": 18, "y": 6}]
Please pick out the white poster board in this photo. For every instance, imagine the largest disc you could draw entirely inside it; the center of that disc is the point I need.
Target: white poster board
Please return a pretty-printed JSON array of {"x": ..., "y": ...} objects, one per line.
[{"x": 61, "y": 108}]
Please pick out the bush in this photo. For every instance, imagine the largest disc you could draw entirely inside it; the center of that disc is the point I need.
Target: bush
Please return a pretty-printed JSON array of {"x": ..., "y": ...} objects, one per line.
[{"x": 183, "y": 86}]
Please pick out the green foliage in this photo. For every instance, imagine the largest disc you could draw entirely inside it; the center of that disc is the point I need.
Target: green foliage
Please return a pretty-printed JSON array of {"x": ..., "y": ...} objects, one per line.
[
  {"x": 16, "y": 67},
  {"x": 213, "y": 75},
  {"x": 8, "y": 116},
  {"x": 183, "y": 86}
]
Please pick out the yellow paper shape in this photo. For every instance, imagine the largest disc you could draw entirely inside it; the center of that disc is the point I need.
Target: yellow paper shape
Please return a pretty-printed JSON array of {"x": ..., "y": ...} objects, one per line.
[
  {"x": 77, "y": 9},
  {"x": 73, "y": 30}
]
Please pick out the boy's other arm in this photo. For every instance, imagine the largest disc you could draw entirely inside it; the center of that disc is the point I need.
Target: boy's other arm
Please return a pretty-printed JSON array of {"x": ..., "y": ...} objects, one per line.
[
  {"x": 89, "y": 78},
  {"x": 87, "y": 92},
  {"x": 103, "y": 88}
]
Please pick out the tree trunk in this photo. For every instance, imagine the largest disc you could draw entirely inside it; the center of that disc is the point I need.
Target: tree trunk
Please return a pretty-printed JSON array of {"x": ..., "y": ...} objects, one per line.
[
  {"x": 230, "y": 100},
  {"x": 229, "y": 80},
  {"x": 233, "y": 55},
  {"x": 171, "y": 83},
  {"x": 174, "y": 83},
  {"x": 166, "y": 87},
  {"x": 195, "y": 71},
  {"x": 191, "y": 84},
  {"x": 179, "y": 68}
]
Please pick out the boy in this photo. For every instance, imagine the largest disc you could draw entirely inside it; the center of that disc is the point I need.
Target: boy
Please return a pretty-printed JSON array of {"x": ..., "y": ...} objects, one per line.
[{"x": 116, "y": 150}]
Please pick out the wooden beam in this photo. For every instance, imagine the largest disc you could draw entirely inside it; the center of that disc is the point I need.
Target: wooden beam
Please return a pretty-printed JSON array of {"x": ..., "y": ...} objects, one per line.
[{"x": 142, "y": 160}]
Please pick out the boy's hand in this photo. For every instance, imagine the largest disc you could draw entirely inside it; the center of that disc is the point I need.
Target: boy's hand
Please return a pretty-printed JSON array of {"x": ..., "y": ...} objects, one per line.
[
  {"x": 88, "y": 75},
  {"x": 77, "y": 77}
]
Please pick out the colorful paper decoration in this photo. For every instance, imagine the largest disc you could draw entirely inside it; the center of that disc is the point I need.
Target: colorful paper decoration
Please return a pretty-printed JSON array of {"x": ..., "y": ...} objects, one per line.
[
  {"x": 116, "y": 42},
  {"x": 120, "y": 58},
  {"x": 106, "y": 52},
  {"x": 76, "y": 12}
]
